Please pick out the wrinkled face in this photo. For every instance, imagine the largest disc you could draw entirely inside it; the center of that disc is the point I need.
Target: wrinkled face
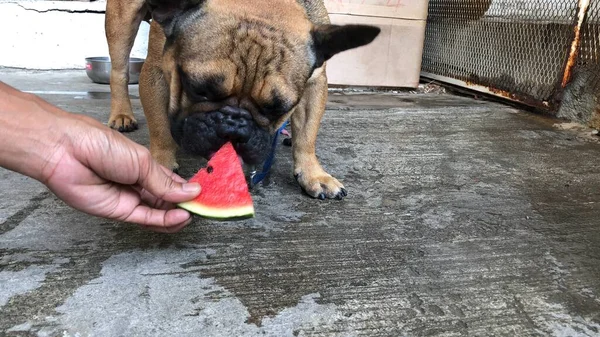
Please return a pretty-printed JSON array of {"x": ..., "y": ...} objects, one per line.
[{"x": 236, "y": 70}]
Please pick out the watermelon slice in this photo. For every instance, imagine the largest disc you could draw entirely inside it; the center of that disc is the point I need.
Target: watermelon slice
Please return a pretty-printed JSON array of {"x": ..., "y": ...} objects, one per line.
[{"x": 224, "y": 192}]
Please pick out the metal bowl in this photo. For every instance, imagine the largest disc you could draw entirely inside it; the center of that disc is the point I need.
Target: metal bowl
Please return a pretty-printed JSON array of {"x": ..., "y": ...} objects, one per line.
[{"x": 98, "y": 69}]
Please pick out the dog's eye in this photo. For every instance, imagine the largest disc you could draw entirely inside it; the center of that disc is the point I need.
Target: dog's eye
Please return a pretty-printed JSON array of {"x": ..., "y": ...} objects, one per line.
[
  {"x": 196, "y": 93},
  {"x": 202, "y": 88},
  {"x": 278, "y": 106},
  {"x": 193, "y": 93},
  {"x": 198, "y": 96},
  {"x": 274, "y": 110}
]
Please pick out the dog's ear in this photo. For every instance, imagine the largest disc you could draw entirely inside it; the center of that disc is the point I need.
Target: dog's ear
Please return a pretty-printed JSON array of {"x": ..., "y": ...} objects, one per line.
[
  {"x": 168, "y": 13},
  {"x": 332, "y": 39}
]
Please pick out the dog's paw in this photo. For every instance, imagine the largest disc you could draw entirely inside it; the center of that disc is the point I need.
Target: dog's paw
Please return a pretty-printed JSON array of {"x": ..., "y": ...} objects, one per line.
[
  {"x": 123, "y": 123},
  {"x": 166, "y": 159},
  {"x": 320, "y": 185}
]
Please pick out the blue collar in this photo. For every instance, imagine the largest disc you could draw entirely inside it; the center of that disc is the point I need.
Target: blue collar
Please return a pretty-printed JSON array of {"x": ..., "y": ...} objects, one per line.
[{"x": 257, "y": 177}]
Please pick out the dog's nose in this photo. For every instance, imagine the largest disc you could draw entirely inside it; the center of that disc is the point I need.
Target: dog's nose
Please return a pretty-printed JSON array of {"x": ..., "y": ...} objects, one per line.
[
  {"x": 236, "y": 112},
  {"x": 233, "y": 124}
]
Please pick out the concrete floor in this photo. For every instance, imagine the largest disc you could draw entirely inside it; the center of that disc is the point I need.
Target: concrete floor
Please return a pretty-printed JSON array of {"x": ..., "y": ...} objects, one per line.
[{"x": 465, "y": 218}]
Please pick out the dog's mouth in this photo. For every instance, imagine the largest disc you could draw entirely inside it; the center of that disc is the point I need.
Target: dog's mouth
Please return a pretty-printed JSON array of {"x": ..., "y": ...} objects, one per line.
[{"x": 204, "y": 133}]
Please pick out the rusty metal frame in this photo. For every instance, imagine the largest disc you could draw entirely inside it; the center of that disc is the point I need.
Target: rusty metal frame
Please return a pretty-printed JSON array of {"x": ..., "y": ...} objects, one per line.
[
  {"x": 563, "y": 79},
  {"x": 545, "y": 105},
  {"x": 582, "y": 11}
]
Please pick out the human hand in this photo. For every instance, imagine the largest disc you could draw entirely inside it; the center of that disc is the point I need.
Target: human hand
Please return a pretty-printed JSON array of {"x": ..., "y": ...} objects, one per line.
[
  {"x": 89, "y": 166},
  {"x": 101, "y": 172}
]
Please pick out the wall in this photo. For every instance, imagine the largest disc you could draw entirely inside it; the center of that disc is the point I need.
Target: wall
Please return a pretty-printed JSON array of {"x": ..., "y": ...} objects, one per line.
[{"x": 55, "y": 34}]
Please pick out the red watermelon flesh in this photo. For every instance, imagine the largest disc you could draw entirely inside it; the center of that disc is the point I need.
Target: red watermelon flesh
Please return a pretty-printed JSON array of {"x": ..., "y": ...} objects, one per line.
[{"x": 224, "y": 193}]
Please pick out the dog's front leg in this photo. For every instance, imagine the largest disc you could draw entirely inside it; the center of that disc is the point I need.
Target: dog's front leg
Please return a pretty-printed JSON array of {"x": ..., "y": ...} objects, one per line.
[
  {"x": 306, "y": 119},
  {"x": 122, "y": 21}
]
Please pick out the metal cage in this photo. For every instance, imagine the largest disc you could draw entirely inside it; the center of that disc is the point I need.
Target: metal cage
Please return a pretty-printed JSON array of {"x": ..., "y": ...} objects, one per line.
[{"x": 544, "y": 53}]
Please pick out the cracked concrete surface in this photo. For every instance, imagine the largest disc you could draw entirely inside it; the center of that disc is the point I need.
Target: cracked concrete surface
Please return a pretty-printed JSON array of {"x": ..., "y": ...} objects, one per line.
[
  {"x": 60, "y": 6},
  {"x": 464, "y": 218}
]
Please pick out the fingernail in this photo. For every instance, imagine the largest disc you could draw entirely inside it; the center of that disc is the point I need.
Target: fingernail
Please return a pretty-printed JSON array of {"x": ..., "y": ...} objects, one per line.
[{"x": 191, "y": 187}]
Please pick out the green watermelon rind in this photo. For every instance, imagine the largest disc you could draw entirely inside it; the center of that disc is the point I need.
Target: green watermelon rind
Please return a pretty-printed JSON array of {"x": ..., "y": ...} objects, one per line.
[{"x": 240, "y": 212}]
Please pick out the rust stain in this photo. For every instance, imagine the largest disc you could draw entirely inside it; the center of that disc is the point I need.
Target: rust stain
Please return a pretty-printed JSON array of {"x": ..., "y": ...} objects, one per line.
[
  {"x": 583, "y": 7},
  {"x": 521, "y": 98}
]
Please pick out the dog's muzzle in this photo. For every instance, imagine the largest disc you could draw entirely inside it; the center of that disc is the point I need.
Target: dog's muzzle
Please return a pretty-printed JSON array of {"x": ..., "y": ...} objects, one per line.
[{"x": 204, "y": 133}]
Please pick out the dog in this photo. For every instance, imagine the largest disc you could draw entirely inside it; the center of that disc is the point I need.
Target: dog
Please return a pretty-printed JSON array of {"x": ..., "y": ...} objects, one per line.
[{"x": 230, "y": 70}]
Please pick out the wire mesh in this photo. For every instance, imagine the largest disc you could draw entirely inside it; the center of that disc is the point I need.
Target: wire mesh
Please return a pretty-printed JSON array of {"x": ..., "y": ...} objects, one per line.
[
  {"x": 588, "y": 60},
  {"x": 516, "y": 46},
  {"x": 589, "y": 53},
  {"x": 580, "y": 97}
]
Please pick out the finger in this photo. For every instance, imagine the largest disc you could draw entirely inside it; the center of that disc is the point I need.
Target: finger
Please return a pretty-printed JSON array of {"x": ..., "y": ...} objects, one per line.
[
  {"x": 155, "y": 180},
  {"x": 152, "y": 200},
  {"x": 173, "y": 175},
  {"x": 144, "y": 215}
]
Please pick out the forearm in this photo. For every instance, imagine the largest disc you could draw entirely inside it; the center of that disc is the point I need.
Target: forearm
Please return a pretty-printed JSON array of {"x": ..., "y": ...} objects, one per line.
[{"x": 30, "y": 140}]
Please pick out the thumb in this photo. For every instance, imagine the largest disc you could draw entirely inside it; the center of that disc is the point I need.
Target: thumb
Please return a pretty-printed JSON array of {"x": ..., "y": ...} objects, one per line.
[{"x": 163, "y": 183}]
